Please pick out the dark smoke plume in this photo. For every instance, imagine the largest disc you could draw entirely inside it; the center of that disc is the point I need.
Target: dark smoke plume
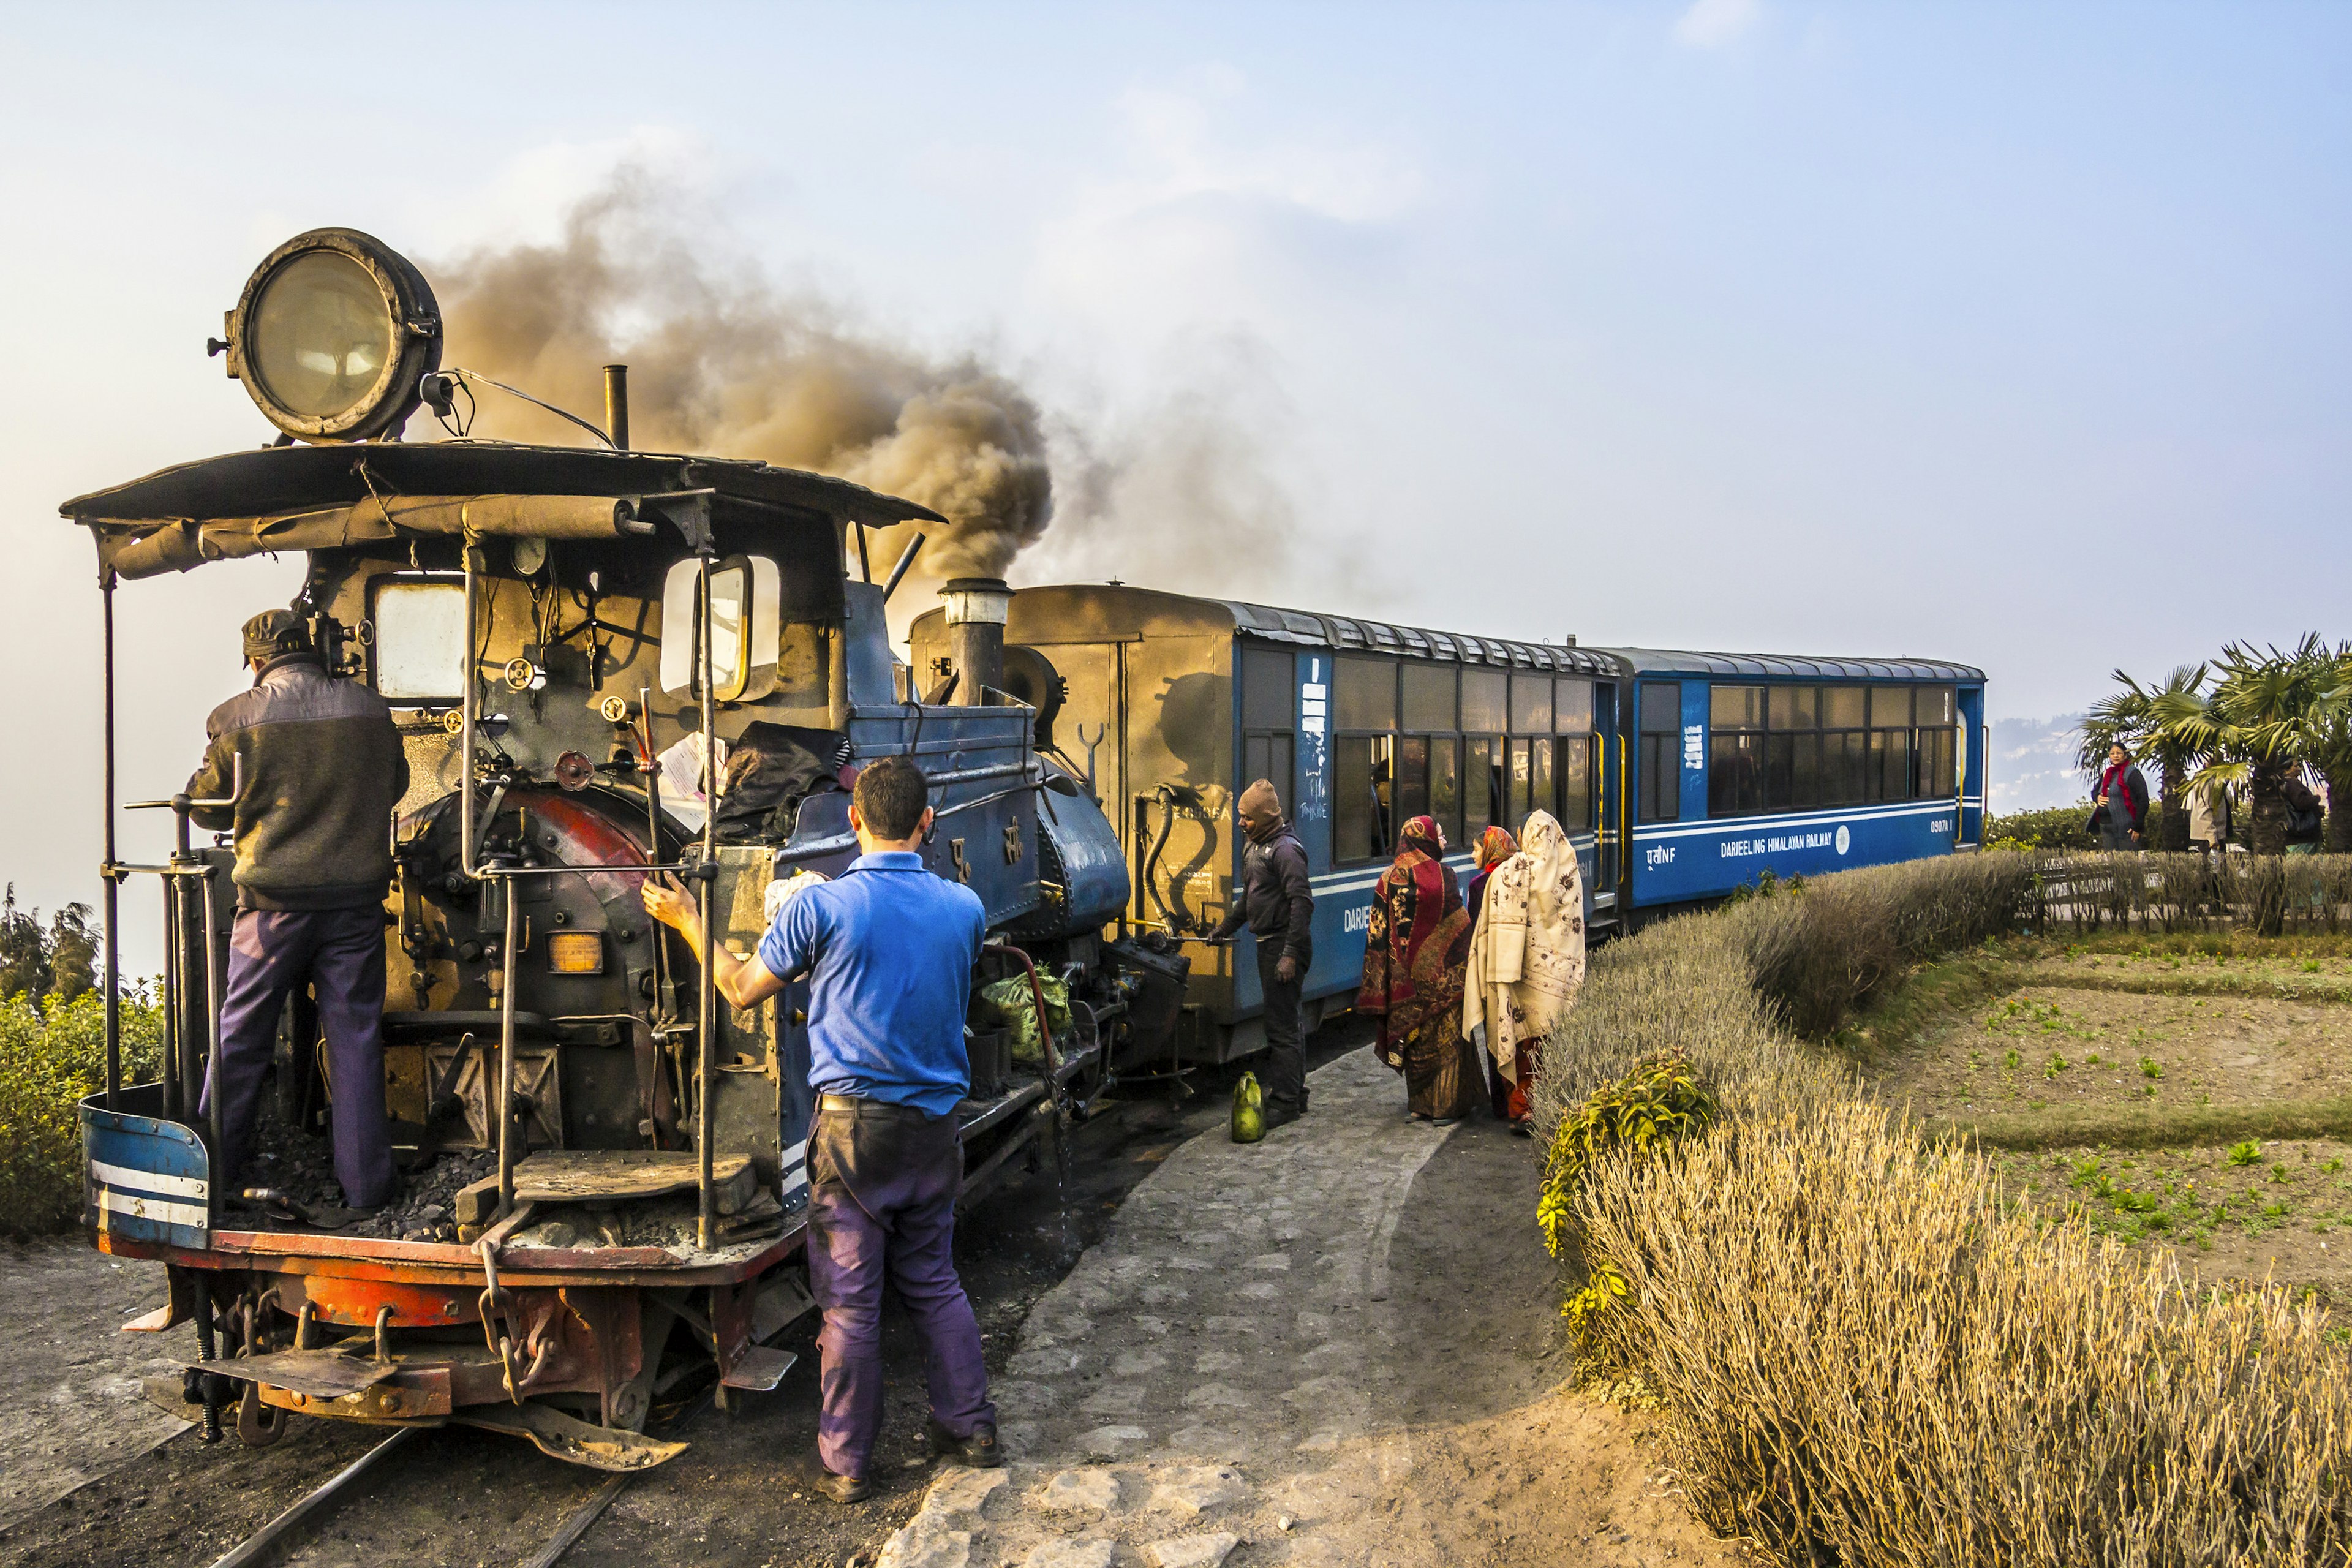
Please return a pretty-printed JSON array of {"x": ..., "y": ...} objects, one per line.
[{"x": 723, "y": 361}]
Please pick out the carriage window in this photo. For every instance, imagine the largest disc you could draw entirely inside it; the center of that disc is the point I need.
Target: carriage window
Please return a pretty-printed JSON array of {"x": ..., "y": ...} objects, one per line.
[
  {"x": 1445, "y": 786},
  {"x": 1531, "y": 704},
  {"x": 1735, "y": 707},
  {"x": 1935, "y": 705},
  {"x": 1411, "y": 778},
  {"x": 1842, "y": 708},
  {"x": 1478, "y": 785},
  {"x": 1890, "y": 708},
  {"x": 1796, "y": 706},
  {"x": 1736, "y": 753},
  {"x": 1576, "y": 782},
  {"x": 1482, "y": 701},
  {"x": 1363, "y": 694},
  {"x": 1661, "y": 760},
  {"x": 1362, "y": 798},
  {"x": 1571, "y": 709},
  {"x": 419, "y": 631},
  {"x": 1429, "y": 698},
  {"x": 1266, "y": 690},
  {"x": 746, "y": 598}
]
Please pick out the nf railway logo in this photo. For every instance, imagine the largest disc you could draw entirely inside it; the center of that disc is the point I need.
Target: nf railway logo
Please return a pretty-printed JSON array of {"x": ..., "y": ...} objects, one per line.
[{"x": 1844, "y": 839}]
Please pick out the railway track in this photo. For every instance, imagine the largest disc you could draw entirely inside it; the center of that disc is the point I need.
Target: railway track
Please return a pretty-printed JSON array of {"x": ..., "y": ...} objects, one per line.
[{"x": 352, "y": 1481}]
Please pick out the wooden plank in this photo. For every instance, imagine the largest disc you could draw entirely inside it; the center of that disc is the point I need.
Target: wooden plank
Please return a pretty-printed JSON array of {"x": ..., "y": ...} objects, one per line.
[{"x": 609, "y": 1176}]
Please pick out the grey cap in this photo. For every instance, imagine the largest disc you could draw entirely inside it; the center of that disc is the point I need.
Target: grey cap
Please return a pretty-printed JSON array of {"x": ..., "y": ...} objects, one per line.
[{"x": 274, "y": 632}]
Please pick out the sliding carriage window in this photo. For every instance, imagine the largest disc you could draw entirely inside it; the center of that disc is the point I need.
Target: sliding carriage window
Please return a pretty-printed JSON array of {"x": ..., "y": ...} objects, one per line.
[
  {"x": 1936, "y": 712},
  {"x": 1890, "y": 742},
  {"x": 1486, "y": 714},
  {"x": 1735, "y": 755},
  {"x": 1363, "y": 765},
  {"x": 1845, "y": 744},
  {"x": 1660, "y": 758},
  {"x": 1830, "y": 745},
  {"x": 1573, "y": 761}
]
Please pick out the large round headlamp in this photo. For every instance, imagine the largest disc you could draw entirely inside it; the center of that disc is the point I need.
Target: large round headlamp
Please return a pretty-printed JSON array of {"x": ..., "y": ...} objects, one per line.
[{"x": 333, "y": 334}]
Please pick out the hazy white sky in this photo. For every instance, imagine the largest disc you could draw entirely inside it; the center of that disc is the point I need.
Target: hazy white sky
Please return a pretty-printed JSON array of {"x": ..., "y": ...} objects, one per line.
[{"x": 2011, "y": 335}]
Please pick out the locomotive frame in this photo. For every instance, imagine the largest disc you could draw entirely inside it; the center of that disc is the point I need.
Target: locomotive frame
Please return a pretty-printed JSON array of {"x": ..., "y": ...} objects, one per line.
[{"x": 562, "y": 569}]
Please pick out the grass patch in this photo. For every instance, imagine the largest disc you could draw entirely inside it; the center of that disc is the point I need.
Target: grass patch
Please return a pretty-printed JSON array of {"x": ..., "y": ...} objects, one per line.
[{"x": 2156, "y": 1126}]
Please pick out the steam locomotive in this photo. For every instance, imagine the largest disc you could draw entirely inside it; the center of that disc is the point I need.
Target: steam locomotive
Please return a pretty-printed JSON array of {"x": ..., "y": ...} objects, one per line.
[{"x": 559, "y": 627}]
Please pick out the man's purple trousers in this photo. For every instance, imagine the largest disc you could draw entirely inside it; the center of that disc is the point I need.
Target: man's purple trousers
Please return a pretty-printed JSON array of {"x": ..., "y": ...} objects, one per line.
[
  {"x": 882, "y": 1192},
  {"x": 340, "y": 953}
]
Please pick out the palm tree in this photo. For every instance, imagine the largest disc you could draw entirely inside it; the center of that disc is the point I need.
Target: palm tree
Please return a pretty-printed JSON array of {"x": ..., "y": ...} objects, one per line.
[
  {"x": 2150, "y": 721},
  {"x": 2258, "y": 725},
  {"x": 2328, "y": 748}
]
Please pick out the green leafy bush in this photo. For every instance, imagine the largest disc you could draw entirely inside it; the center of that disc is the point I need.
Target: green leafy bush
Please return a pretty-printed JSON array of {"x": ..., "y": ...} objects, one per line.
[
  {"x": 2061, "y": 827},
  {"x": 52, "y": 1055},
  {"x": 1661, "y": 1098}
]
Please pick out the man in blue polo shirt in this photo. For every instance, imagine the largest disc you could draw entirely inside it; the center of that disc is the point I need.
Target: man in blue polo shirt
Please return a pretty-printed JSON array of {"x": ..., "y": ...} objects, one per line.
[{"x": 888, "y": 949}]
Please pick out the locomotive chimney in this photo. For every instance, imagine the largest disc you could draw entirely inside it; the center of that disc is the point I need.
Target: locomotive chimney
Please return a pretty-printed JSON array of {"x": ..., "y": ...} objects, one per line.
[
  {"x": 976, "y": 610},
  {"x": 616, "y": 405}
]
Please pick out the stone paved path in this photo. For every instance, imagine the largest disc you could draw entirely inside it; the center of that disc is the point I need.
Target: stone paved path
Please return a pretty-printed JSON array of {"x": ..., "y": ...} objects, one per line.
[{"x": 1236, "y": 1375}]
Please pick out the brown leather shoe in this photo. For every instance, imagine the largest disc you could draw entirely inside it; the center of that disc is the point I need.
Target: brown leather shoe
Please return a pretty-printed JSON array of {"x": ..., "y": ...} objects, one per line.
[
  {"x": 981, "y": 1450},
  {"x": 809, "y": 1471}
]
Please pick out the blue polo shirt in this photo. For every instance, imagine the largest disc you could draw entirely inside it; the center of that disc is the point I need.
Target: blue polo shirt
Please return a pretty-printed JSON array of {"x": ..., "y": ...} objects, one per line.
[{"x": 888, "y": 949}]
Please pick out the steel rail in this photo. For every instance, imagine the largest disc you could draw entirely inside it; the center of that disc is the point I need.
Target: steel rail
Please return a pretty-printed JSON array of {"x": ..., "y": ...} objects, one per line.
[{"x": 255, "y": 1547}]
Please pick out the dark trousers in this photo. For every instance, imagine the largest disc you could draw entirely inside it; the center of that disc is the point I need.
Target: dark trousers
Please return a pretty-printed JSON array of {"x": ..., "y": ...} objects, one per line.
[
  {"x": 338, "y": 953},
  {"x": 1285, "y": 1066},
  {"x": 882, "y": 1192}
]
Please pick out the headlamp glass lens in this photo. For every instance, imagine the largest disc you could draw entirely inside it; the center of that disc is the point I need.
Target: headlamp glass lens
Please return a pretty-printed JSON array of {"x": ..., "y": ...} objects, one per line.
[{"x": 320, "y": 335}]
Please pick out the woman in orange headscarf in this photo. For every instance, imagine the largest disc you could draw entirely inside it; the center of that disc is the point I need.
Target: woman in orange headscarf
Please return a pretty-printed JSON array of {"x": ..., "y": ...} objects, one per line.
[{"x": 1415, "y": 951}]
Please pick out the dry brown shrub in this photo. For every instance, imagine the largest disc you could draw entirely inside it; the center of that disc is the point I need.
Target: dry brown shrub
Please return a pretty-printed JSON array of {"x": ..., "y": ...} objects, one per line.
[
  {"x": 1860, "y": 1352},
  {"x": 1865, "y": 1354}
]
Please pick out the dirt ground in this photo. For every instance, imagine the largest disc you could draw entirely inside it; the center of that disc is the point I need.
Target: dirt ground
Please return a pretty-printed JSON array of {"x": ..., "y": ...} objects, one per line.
[
  {"x": 1472, "y": 1295},
  {"x": 2252, "y": 1210},
  {"x": 2051, "y": 1046},
  {"x": 2106, "y": 1076}
]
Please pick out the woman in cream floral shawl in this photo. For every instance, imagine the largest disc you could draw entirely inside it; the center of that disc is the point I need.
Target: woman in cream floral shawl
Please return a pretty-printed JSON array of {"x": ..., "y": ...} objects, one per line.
[{"x": 1527, "y": 957}]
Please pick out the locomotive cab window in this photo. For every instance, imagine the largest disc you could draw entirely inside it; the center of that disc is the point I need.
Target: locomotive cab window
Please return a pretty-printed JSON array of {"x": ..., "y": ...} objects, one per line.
[
  {"x": 418, "y": 630},
  {"x": 746, "y": 599}
]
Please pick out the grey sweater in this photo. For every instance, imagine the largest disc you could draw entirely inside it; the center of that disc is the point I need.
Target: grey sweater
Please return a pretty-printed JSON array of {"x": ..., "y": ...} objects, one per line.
[{"x": 316, "y": 767}]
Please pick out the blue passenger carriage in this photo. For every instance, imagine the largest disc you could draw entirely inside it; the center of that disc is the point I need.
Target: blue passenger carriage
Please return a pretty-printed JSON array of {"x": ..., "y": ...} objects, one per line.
[{"x": 1679, "y": 777}]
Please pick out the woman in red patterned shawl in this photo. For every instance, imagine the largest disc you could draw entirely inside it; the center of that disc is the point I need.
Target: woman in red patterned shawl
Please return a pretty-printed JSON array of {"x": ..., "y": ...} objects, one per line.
[{"x": 1416, "y": 951}]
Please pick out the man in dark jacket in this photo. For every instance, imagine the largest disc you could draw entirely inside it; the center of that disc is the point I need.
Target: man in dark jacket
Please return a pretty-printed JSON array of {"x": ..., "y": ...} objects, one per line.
[
  {"x": 2122, "y": 807},
  {"x": 313, "y": 767},
  {"x": 1279, "y": 909}
]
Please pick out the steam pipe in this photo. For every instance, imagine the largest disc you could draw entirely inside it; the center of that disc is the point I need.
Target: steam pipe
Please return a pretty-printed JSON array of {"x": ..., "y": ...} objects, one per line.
[
  {"x": 112, "y": 879},
  {"x": 706, "y": 1226},
  {"x": 506, "y": 1052},
  {"x": 214, "y": 1088},
  {"x": 906, "y": 559},
  {"x": 616, "y": 406}
]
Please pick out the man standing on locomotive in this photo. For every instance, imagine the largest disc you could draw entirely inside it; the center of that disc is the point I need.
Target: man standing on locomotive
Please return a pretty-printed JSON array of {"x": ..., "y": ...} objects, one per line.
[
  {"x": 890, "y": 950},
  {"x": 315, "y": 767},
  {"x": 1278, "y": 906}
]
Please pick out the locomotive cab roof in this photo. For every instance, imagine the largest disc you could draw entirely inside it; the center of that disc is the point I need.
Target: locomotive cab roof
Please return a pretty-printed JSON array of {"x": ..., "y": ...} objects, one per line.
[{"x": 338, "y": 496}]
